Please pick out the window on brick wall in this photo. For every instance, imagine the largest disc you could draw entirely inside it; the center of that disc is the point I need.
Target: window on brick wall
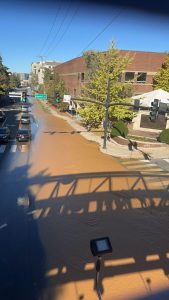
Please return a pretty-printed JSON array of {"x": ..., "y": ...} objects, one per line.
[
  {"x": 129, "y": 76},
  {"x": 82, "y": 77},
  {"x": 75, "y": 92},
  {"x": 141, "y": 77}
]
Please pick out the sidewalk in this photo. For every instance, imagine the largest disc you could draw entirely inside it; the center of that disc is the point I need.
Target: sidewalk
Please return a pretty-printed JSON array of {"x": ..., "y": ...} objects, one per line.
[{"x": 112, "y": 148}]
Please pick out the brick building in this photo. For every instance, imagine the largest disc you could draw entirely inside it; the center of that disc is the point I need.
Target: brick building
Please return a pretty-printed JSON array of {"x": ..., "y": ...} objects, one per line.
[{"x": 141, "y": 71}]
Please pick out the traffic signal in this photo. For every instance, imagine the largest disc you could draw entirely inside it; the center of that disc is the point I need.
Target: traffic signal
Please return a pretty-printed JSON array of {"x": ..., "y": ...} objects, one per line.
[
  {"x": 24, "y": 96},
  {"x": 154, "y": 110},
  {"x": 57, "y": 97},
  {"x": 162, "y": 108}
]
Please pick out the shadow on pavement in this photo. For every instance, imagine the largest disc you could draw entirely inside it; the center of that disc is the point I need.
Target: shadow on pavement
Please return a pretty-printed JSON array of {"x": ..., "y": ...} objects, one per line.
[
  {"x": 45, "y": 236},
  {"x": 22, "y": 257}
]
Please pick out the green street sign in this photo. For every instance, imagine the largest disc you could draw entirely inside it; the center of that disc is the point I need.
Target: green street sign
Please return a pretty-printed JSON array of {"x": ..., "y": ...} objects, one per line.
[{"x": 41, "y": 96}]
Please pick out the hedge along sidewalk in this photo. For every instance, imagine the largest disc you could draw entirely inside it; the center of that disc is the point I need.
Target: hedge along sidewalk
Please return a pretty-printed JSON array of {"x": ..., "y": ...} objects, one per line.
[{"x": 113, "y": 148}]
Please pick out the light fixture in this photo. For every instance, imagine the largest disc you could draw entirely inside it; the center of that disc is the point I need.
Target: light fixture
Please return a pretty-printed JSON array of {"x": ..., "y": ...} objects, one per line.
[{"x": 98, "y": 248}]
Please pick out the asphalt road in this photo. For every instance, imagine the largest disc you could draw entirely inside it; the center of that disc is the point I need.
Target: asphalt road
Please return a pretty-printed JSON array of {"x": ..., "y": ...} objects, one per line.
[
  {"x": 57, "y": 194},
  {"x": 18, "y": 238}
]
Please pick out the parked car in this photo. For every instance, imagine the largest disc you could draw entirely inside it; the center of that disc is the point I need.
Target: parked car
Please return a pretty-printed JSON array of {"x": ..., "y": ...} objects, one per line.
[
  {"x": 4, "y": 134},
  {"x": 23, "y": 135},
  {"x": 25, "y": 119},
  {"x": 12, "y": 100},
  {"x": 2, "y": 116},
  {"x": 25, "y": 108}
]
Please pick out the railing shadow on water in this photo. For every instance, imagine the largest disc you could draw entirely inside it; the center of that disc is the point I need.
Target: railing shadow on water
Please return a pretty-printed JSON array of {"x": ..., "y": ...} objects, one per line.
[
  {"x": 87, "y": 206},
  {"x": 64, "y": 213}
]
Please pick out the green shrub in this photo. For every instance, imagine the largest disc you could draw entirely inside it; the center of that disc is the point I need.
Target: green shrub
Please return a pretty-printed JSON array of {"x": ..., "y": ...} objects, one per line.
[
  {"x": 164, "y": 136},
  {"x": 62, "y": 106},
  {"x": 119, "y": 129}
]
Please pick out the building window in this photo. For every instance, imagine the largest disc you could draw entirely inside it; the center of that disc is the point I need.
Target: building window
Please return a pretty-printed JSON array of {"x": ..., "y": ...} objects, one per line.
[
  {"x": 129, "y": 76},
  {"x": 75, "y": 92},
  {"x": 141, "y": 77},
  {"x": 82, "y": 77}
]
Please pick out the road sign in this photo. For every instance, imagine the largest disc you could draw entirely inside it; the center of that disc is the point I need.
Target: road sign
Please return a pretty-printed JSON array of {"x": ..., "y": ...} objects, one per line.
[{"x": 41, "y": 96}]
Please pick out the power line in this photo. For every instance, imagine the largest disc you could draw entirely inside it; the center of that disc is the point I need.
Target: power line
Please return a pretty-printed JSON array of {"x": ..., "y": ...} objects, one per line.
[
  {"x": 55, "y": 36},
  {"x": 41, "y": 57},
  {"x": 51, "y": 28},
  {"x": 103, "y": 30},
  {"x": 62, "y": 36}
]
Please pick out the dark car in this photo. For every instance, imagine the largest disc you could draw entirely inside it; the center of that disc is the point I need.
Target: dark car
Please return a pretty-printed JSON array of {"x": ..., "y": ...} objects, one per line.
[
  {"x": 25, "y": 119},
  {"x": 12, "y": 100},
  {"x": 4, "y": 134},
  {"x": 23, "y": 135},
  {"x": 2, "y": 116}
]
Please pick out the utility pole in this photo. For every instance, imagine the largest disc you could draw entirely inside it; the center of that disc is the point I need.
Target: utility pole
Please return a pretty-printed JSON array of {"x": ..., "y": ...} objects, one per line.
[
  {"x": 106, "y": 114},
  {"x": 41, "y": 57}
]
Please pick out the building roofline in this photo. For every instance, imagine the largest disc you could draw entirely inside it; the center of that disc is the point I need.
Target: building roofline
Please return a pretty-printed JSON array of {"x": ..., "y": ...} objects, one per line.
[
  {"x": 156, "y": 52},
  {"x": 75, "y": 58},
  {"x": 123, "y": 50}
]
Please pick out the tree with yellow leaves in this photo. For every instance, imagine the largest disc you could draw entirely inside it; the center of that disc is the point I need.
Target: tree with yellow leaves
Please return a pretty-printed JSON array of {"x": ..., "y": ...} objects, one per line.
[
  {"x": 102, "y": 66},
  {"x": 161, "y": 79}
]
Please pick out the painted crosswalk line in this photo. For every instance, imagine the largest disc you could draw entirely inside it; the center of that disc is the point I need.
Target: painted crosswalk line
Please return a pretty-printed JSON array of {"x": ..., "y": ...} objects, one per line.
[
  {"x": 154, "y": 174},
  {"x": 13, "y": 148}
]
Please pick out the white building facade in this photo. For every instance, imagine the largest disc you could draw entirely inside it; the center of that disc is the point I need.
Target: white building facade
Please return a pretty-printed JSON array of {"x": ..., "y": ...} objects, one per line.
[{"x": 39, "y": 67}]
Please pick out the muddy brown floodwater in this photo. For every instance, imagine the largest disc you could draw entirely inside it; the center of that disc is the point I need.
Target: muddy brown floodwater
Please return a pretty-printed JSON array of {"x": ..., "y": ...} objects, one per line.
[{"x": 79, "y": 194}]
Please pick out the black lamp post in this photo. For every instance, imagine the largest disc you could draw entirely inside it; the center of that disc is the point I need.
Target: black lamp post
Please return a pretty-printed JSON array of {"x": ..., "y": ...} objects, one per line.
[{"x": 98, "y": 248}]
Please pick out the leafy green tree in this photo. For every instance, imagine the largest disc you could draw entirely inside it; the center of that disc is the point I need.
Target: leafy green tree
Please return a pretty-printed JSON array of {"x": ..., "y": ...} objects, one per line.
[
  {"x": 161, "y": 79},
  {"x": 41, "y": 89},
  {"x": 92, "y": 114},
  {"x": 53, "y": 83},
  {"x": 4, "y": 78},
  {"x": 14, "y": 81},
  {"x": 102, "y": 66},
  {"x": 34, "y": 80}
]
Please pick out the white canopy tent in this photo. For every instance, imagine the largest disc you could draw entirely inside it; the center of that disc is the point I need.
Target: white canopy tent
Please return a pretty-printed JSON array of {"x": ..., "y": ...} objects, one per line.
[{"x": 147, "y": 98}]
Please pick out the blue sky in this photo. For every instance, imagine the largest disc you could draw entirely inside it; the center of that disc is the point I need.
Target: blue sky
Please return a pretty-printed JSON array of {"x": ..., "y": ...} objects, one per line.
[{"x": 61, "y": 31}]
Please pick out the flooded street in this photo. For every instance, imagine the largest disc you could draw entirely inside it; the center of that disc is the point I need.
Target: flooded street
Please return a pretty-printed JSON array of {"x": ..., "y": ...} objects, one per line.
[{"x": 78, "y": 194}]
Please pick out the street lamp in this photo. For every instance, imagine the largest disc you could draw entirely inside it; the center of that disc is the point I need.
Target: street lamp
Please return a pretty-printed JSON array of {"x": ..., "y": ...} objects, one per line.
[{"x": 98, "y": 248}]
